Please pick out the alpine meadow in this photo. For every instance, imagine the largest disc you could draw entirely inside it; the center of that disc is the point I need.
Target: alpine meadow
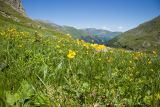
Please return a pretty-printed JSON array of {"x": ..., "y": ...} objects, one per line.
[{"x": 43, "y": 64}]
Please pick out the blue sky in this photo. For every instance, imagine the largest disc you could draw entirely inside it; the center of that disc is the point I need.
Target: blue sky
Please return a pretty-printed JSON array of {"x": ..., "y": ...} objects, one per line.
[{"x": 114, "y": 15}]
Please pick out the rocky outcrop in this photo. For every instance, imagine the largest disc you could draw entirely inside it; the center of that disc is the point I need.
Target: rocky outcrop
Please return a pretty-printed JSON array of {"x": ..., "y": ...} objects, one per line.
[{"x": 16, "y": 5}]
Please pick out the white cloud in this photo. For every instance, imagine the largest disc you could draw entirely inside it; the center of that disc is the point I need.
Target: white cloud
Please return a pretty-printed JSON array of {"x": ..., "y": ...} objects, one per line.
[
  {"x": 120, "y": 27},
  {"x": 106, "y": 28}
]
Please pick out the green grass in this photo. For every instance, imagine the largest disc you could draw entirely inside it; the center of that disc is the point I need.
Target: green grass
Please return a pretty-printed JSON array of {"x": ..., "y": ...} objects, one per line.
[
  {"x": 6, "y": 23},
  {"x": 145, "y": 37},
  {"x": 35, "y": 71}
]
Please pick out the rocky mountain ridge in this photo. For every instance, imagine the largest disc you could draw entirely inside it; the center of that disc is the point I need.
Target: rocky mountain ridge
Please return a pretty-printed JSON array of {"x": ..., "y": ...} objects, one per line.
[{"x": 16, "y": 5}]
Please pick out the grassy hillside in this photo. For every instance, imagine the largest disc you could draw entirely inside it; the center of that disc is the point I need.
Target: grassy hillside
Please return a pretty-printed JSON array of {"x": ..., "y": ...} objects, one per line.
[
  {"x": 50, "y": 71},
  {"x": 40, "y": 67},
  {"x": 64, "y": 29},
  {"x": 11, "y": 18},
  {"x": 145, "y": 37},
  {"x": 100, "y": 36}
]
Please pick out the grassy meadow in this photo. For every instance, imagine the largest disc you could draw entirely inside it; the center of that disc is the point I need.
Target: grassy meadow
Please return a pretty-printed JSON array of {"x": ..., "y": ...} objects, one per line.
[{"x": 58, "y": 71}]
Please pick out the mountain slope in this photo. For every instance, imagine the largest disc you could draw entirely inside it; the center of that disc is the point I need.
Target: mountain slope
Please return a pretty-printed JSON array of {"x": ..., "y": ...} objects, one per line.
[
  {"x": 88, "y": 34},
  {"x": 10, "y": 18},
  {"x": 99, "y": 36},
  {"x": 144, "y": 37}
]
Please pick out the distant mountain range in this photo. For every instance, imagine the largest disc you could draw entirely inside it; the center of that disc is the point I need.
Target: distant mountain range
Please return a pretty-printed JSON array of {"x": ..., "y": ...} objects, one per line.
[
  {"x": 99, "y": 36},
  {"x": 144, "y": 37}
]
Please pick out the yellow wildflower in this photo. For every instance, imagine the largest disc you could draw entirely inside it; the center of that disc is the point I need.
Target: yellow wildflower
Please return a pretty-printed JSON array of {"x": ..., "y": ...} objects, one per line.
[
  {"x": 58, "y": 47},
  {"x": 71, "y": 54},
  {"x": 135, "y": 58},
  {"x": 99, "y": 59},
  {"x": 59, "y": 41},
  {"x": 68, "y": 34},
  {"x": 150, "y": 62},
  {"x": 77, "y": 41},
  {"x": 92, "y": 41},
  {"x": 86, "y": 45},
  {"x": 94, "y": 45},
  {"x": 82, "y": 41},
  {"x": 130, "y": 62},
  {"x": 98, "y": 47}
]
